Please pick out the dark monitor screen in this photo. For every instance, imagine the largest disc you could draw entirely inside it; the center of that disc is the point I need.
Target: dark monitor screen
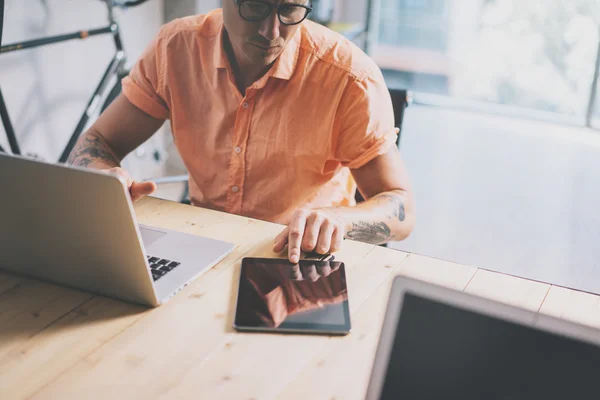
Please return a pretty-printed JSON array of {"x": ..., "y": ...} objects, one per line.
[{"x": 444, "y": 352}]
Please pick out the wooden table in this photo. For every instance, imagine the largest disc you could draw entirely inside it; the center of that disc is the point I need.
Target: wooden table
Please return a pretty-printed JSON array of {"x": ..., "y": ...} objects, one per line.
[{"x": 58, "y": 343}]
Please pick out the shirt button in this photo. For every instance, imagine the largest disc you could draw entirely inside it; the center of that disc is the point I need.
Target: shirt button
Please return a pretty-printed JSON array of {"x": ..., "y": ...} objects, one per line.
[
  {"x": 235, "y": 189},
  {"x": 238, "y": 150},
  {"x": 245, "y": 105}
]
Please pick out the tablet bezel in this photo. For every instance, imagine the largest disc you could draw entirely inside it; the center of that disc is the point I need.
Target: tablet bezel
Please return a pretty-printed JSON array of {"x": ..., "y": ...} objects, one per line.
[{"x": 297, "y": 328}]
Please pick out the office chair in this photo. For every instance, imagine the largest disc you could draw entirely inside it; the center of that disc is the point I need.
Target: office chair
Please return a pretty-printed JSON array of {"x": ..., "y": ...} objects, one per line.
[{"x": 401, "y": 98}]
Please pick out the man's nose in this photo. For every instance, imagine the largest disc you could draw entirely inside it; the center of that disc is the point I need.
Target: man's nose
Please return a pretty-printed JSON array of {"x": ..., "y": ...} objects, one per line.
[{"x": 269, "y": 28}]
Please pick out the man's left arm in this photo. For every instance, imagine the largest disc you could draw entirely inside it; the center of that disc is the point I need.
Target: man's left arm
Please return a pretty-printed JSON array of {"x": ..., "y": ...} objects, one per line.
[
  {"x": 387, "y": 214},
  {"x": 389, "y": 210},
  {"x": 363, "y": 139}
]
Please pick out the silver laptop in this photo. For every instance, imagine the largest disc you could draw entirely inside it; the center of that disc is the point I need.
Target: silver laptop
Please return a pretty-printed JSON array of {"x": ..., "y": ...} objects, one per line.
[
  {"x": 437, "y": 343},
  {"x": 76, "y": 227}
]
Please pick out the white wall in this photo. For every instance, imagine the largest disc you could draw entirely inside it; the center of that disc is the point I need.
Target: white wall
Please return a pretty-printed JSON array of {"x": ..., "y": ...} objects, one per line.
[
  {"x": 47, "y": 89},
  {"x": 351, "y": 10},
  {"x": 182, "y": 8},
  {"x": 204, "y": 6},
  {"x": 179, "y": 8}
]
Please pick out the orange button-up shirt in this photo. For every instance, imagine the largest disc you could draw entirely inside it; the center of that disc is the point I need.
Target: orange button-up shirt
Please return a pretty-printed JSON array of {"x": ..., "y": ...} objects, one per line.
[{"x": 289, "y": 142}]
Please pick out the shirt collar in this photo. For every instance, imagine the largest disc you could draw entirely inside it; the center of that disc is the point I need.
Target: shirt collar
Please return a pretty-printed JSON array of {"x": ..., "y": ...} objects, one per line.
[
  {"x": 286, "y": 63},
  {"x": 220, "y": 55}
]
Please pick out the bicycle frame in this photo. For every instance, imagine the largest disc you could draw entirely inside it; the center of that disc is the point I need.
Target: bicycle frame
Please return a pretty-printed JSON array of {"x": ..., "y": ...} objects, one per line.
[{"x": 115, "y": 68}]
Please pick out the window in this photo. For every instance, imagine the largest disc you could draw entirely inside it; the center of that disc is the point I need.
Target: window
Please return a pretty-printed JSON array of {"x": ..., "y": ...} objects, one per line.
[
  {"x": 537, "y": 55},
  {"x": 414, "y": 23},
  {"x": 595, "y": 106}
]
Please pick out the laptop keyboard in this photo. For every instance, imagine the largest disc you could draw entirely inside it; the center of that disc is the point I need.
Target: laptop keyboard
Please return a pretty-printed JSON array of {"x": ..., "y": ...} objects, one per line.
[{"x": 161, "y": 266}]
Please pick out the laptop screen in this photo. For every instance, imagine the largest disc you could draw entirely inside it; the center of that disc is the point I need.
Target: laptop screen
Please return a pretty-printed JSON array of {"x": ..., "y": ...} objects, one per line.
[{"x": 444, "y": 352}]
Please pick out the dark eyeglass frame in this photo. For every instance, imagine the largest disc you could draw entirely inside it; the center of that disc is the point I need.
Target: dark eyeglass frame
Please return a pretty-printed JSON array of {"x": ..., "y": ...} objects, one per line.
[{"x": 271, "y": 7}]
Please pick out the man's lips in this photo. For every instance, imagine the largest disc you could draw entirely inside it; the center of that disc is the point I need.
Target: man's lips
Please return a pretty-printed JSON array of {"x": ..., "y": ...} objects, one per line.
[{"x": 265, "y": 48}]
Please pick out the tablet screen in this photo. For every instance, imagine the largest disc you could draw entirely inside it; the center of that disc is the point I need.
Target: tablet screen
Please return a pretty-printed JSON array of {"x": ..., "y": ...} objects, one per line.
[{"x": 309, "y": 297}]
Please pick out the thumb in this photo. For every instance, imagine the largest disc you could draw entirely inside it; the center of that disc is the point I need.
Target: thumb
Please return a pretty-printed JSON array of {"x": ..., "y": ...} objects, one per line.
[
  {"x": 140, "y": 189},
  {"x": 147, "y": 187}
]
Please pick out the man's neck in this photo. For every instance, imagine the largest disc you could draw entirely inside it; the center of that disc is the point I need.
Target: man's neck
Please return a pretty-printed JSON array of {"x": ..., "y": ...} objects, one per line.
[{"x": 245, "y": 74}]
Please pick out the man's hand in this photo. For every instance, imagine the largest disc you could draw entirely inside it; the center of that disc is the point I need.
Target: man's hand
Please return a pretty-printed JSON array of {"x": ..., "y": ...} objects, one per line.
[
  {"x": 321, "y": 231},
  {"x": 137, "y": 190}
]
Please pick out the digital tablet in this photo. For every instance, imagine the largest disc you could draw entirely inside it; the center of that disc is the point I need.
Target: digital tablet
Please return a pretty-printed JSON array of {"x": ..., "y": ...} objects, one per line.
[{"x": 277, "y": 296}]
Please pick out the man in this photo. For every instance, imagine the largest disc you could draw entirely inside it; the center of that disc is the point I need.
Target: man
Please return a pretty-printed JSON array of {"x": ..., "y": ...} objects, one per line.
[{"x": 275, "y": 117}]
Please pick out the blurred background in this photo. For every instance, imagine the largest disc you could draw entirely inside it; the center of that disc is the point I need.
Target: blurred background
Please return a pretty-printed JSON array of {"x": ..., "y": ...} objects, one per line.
[{"x": 501, "y": 139}]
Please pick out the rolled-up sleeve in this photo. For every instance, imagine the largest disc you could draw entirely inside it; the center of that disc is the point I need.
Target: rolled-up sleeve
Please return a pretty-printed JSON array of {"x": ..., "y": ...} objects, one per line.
[
  {"x": 144, "y": 87},
  {"x": 364, "y": 122}
]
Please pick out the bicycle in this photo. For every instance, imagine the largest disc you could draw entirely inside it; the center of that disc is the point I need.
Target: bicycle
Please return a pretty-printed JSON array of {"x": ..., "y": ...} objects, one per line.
[{"x": 116, "y": 68}]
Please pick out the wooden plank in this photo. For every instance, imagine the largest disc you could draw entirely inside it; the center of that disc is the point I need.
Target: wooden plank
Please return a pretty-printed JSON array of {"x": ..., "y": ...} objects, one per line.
[
  {"x": 367, "y": 277},
  {"x": 343, "y": 368},
  {"x": 30, "y": 308},
  {"x": 8, "y": 281},
  {"x": 160, "y": 353},
  {"x": 436, "y": 271},
  {"x": 203, "y": 222},
  {"x": 571, "y": 305},
  {"x": 33, "y": 363},
  {"x": 508, "y": 289}
]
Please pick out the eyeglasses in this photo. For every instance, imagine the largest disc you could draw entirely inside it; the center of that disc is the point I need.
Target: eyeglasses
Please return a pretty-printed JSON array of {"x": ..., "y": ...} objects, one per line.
[{"x": 289, "y": 13}]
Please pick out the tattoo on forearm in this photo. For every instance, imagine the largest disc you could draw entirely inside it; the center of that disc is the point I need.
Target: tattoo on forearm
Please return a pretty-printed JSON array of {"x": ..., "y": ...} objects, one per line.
[
  {"x": 401, "y": 212},
  {"x": 370, "y": 232},
  {"x": 396, "y": 203},
  {"x": 89, "y": 149}
]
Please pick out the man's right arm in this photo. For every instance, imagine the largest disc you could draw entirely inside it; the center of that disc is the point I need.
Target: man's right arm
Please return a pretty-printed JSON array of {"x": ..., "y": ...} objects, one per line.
[
  {"x": 117, "y": 132},
  {"x": 92, "y": 151}
]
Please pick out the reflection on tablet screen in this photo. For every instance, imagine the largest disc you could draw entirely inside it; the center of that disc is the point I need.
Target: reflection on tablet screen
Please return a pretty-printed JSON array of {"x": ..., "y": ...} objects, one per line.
[{"x": 308, "y": 297}]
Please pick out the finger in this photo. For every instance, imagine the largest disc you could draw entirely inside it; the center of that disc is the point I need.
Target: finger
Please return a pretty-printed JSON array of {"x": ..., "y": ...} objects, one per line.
[
  {"x": 336, "y": 240},
  {"x": 281, "y": 240},
  {"x": 325, "y": 236},
  {"x": 145, "y": 188},
  {"x": 311, "y": 234},
  {"x": 141, "y": 189},
  {"x": 296, "y": 232},
  {"x": 123, "y": 174}
]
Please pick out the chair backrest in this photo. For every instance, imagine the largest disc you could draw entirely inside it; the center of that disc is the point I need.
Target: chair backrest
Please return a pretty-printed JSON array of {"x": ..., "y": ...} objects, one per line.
[{"x": 400, "y": 100}]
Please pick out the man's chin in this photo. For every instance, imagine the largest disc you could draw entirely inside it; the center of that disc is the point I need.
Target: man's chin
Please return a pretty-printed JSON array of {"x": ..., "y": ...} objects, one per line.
[{"x": 264, "y": 57}]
